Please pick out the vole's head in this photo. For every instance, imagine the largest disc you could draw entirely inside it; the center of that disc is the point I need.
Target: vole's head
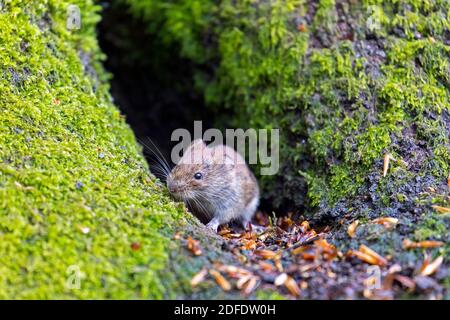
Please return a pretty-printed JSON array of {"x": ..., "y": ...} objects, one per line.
[{"x": 193, "y": 174}]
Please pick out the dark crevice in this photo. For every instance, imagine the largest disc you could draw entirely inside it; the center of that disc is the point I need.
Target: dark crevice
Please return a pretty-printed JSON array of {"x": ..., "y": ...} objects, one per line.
[{"x": 151, "y": 84}]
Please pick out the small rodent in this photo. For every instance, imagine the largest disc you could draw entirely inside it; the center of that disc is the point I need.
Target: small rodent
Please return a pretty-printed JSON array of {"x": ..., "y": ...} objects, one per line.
[{"x": 215, "y": 183}]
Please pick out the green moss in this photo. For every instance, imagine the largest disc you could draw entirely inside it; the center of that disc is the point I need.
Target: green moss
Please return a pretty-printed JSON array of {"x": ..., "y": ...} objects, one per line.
[
  {"x": 432, "y": 226},
  {"x": 269, "y": 295},
  {"x": 74, "y": 187}
]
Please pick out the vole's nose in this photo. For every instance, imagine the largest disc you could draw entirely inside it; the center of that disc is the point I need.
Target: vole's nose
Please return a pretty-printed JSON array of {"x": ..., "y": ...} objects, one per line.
[{"x": 172, "y": 187}]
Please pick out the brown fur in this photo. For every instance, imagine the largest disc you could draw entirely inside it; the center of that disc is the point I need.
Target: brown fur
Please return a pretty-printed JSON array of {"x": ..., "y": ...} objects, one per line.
[{"x": 227, "y": 191}]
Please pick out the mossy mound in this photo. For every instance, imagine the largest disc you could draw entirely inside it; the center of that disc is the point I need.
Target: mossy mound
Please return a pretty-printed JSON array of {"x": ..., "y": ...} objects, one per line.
[
  {"x": 76, "y": 197},
  {"x": 348, "y": 83}
]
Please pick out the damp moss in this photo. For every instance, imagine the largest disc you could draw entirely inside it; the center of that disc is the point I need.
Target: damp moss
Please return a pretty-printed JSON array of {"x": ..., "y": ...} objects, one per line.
[
  {"x": 75, "y": 192},
  {"x": 269, "y": 295}
]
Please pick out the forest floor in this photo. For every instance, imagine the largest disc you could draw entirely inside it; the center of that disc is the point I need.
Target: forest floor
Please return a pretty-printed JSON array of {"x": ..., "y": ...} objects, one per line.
[{"x": 287, "y": 256}]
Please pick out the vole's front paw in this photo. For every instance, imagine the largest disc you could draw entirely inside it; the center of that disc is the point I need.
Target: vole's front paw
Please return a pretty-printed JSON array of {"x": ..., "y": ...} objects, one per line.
[{"x": 213, "y": 225}]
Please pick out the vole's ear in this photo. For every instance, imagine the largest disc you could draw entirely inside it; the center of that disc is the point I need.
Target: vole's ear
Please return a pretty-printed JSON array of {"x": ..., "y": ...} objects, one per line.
[
  {"x": 226, "y": 155},
  {"x": 196, "y": 152},
  {"x": 197, "y": 144}
]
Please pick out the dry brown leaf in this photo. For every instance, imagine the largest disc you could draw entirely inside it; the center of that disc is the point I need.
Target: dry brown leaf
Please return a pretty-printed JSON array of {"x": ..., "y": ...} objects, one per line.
[
  {"x": 242, "y": 281},
  {"x": 249, "y": 245},
  {"x": 292, "y": 286},
  {"x": 249, "y": 236},
  {"x": 381, "y": 261},
  {"x": 441, "y": 209},
  {"x": 305, "y": 226},
  {"x": 194, "y": 246},
  {"x": 362, "y": 256},
  {"x": 367, "y": 255},
  {"x": 387, "y": 222},
  {"x": 299, "y": 250},
  {"x": 387, "y": 158},
  {"x": 233, "y": 271},
  {"x": 405, "y": 281},
  {"x": 266, "y": 267},
  {"x": 328, "y": 251},
  {"x": 388, "y": 281},
  {"x": 322, "y": 243},
  {"x": 428, "y": 269},
  {"x": 408, "y": 244},
  {"x": 308, "y": 256},
  {"x": 199, "y": 277},
  {"x": 224, "y": 232},
  {"x": 426, "y": 262},
  {"x": 250, "y": 285},
  {"x": 307, "y": 267},
  {"x": 352, "y": 228},
  {"x": 220, "y": 280},
  {"x": 286, "y": 223},
  {"x": 227, "y": 268},
  {"x": 279, "y": 265},
  {"x": 266, "y": 254}
]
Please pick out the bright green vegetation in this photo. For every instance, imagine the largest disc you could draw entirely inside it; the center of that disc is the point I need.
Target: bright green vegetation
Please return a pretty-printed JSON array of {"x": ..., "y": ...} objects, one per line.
[
  {"x": 269, "y": 295},
  {"x": 74, "y": 187}
]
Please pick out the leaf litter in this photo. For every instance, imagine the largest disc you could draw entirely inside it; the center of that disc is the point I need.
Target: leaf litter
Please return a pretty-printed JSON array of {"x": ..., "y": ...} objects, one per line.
[{"x": 297, "y": 261}]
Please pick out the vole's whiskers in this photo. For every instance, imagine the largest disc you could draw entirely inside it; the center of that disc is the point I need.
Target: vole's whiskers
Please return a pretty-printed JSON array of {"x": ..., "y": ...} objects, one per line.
[
  {"x": 198, "y": 204},
  {"x": 213, "y": 205},
  {"x": 161, "y": 167},
  {"x": 217, "y": 196},
  {"x": 159, "y": 171},
  {"x": 204, "y": 211}
]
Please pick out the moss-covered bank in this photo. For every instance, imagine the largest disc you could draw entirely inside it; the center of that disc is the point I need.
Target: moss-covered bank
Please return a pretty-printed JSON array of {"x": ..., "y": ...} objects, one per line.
[
  {"x": 76, "y": 197},
  {"x": 348, "y": 82}
]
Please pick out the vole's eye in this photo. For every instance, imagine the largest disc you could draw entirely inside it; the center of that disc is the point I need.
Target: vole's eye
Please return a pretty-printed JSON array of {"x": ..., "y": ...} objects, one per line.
[{"x": 198, "y": 176}]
